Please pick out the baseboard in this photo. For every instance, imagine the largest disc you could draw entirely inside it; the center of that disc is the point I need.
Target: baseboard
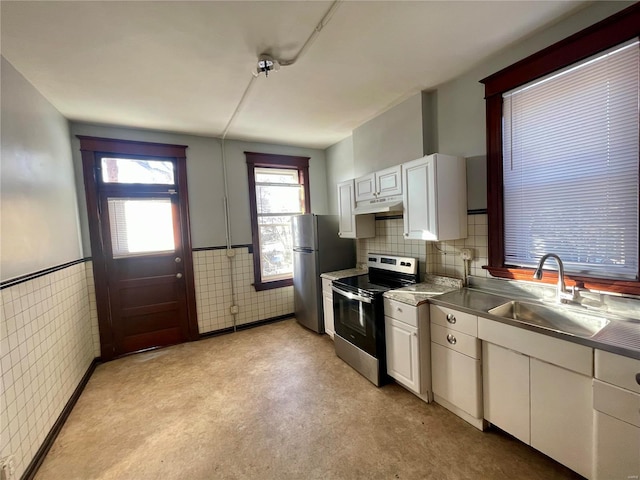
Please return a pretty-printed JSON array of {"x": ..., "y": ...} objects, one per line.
[
  {"x": 246, "y": 326},
  {"x": 37, "y": 460}
]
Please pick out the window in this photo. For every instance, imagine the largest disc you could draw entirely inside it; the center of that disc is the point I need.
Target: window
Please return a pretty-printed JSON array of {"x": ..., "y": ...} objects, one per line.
[
  {"x": 562, "y": 147},
  {"x": 278, "y": 190}
]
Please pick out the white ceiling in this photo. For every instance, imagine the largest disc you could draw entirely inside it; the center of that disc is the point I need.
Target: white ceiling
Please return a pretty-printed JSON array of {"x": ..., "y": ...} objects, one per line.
[{"x": 183, "y": 66}]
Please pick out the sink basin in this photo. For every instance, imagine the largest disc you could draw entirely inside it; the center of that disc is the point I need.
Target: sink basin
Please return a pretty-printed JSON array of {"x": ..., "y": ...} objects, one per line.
[{"x": 560, "y": 319}]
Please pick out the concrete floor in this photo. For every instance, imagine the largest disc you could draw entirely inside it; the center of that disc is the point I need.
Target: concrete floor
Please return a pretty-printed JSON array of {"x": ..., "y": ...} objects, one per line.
[{"x": 273, "y": 402}]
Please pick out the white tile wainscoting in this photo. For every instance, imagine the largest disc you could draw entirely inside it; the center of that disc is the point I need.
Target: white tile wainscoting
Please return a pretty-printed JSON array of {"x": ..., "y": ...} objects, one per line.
[
  {"x": 213, "y": 291},
  {"x": 46, "y": 346}
]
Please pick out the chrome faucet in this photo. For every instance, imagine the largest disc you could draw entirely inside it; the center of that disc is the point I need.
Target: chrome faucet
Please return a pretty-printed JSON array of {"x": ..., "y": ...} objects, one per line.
[{"x": 562, "y": 294}]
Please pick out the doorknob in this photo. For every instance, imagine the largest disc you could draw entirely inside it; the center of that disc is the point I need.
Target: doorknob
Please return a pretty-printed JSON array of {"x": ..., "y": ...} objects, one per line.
[
  {"x": 178, "y": 275},
  {"x": 178, "y": 259}
]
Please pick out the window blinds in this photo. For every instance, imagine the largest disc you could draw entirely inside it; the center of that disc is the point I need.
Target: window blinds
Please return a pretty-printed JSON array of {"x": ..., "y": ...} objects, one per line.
[{"x": 570, "y": 167}]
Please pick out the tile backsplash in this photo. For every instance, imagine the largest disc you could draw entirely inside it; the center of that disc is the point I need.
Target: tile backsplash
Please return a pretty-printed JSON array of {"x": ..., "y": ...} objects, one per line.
[
  {"x": 389, "y": 239},
  {"x": 441, "y": 258},
  {"x": 46, "y": 346},
  {"x": 444, "y": 257}
]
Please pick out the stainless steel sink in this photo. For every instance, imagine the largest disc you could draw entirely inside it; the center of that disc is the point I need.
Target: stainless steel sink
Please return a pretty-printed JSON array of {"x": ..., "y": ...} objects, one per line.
[{"x": 558, "y": 318}]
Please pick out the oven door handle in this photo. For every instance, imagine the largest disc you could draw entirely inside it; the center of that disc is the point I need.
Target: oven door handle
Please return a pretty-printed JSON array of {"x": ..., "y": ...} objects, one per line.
[{"x": 351, "y": 296}]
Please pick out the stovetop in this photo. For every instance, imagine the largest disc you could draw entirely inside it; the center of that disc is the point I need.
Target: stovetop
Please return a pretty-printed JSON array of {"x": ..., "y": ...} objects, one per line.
[{"x": 386, "y": 272}]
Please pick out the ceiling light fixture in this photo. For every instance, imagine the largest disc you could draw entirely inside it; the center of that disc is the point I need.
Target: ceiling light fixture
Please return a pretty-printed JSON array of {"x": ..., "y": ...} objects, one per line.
[{"x": 266, "y": 64}]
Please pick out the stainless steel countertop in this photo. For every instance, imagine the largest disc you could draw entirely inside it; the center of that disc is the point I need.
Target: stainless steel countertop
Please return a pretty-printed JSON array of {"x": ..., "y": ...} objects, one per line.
[{"x": 620, "y": 336}]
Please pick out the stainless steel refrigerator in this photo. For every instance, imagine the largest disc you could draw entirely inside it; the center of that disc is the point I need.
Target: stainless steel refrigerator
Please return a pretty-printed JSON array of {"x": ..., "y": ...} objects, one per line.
[{"x": 316, "y": 249}]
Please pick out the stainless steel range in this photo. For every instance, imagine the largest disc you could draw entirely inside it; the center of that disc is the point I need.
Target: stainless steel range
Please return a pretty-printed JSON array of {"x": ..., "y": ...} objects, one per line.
[{"x": 359, "y": 314}]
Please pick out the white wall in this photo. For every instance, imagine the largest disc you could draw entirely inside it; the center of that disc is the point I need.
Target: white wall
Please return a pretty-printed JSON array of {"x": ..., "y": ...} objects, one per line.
[
  {"x": 205, "y": 180},
  {"x": 39, "y": 214},
  {"x": 461, "y": 105},
  {"x": 391, "y": 138},
  {"x": 339, "y": 168},
  {"x": 45, "y": 326}
]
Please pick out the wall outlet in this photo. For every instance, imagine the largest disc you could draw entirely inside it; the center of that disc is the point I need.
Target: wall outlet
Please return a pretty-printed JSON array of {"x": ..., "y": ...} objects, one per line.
[
  {"x": 466, "y": 254},
  {"x": 231, "y": 253},
  {"x": 7, "y": 468},
  {"x": 234, "y": 309}
]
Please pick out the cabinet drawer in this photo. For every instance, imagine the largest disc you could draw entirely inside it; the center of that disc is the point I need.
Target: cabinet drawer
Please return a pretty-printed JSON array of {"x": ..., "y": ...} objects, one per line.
[
  {"x": 458, "y": 341},
  {"x": 401, "y": 311},
  {"x": 617, "y": 402},
  {"x": 617, "y": 370},
  {"x": 326, "y": 287},
  {"x": 455, "y": 320}
]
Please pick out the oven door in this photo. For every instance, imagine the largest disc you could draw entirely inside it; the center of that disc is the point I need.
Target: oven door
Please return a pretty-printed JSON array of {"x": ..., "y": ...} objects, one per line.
[{"x": 357, "y": 319}]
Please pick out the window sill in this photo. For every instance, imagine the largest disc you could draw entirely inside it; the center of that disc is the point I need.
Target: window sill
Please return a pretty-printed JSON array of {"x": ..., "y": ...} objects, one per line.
[
  {"x": 260, "y": 286},
  {"x": 629, "y": 287}
]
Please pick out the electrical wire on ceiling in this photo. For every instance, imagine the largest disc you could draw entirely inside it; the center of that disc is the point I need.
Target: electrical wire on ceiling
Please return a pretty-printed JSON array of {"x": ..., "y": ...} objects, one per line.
[{"x": 266, "y": 63}]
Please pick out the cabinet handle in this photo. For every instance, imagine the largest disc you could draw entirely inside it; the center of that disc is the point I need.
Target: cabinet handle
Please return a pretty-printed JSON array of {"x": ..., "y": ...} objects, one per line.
[
  {"x": 451, "y": 318},
  {"x": 638, "y": 378},
  {"x": 451, "y": 339},
  {"x": 400, "y": 310},
  {"x": 415, "y": 334}
]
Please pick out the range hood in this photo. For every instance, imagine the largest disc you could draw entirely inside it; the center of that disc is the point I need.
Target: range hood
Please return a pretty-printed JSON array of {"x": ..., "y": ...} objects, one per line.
[{"x": 382, "y": 205}]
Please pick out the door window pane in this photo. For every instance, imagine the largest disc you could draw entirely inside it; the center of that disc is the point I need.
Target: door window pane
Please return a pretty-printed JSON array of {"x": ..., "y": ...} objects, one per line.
[
  {"x": 140, "y": 225},
  {"x": 133, "y": 170}
]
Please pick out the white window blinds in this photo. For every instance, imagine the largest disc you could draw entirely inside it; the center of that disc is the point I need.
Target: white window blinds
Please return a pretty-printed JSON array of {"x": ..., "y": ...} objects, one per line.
[{"x": 570, "y": 167}]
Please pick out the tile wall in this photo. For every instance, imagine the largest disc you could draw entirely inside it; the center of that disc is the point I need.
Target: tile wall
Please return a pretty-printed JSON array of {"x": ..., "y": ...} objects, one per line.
[
  {"x": 93, "y": 310},
  {"x": 389, "y": 239},
  {"x": 444, "y": 257},
  {"x": 214, "y": 295},
  {"x": 441, "y": 258},
  {"x": 46, "y": 346}
]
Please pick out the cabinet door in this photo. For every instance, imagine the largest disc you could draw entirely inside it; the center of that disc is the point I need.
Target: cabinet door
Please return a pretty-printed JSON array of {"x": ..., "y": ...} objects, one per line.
[
  {"x": 346, "y": 204},
  {"x": 389, "y": 182},
  {"x": 366, "y": 187},
  {"x": 456, "y": 378},
  {"x": 420, "y": 214},
  {"x": 617, "y": 444},
  {"x": 403, "y": 359},
  {"x": 562, "y": 415},
  {"x": 505, "y": 386},
  {"x": 327, "y": 301}
]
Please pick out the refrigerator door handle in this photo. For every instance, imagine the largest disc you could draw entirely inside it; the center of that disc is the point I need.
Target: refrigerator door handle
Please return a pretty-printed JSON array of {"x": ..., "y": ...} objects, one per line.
[{"x": 351, "y": 296}]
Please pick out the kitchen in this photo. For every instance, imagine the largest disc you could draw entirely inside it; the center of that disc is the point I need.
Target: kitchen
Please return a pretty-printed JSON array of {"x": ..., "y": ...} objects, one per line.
[{"x": 388, "y": 139}]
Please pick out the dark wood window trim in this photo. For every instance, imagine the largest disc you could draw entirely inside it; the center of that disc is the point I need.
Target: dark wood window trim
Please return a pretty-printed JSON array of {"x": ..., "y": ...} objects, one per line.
[
  {"x": 274, "y": 161},
  {"x": 92, "y": 149},
  {"x": 608, "y": 33}
]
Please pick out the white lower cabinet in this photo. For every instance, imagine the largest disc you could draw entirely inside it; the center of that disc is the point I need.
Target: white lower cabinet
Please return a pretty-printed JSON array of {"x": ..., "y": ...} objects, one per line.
[
  {"x": 562, "y": 415},
  {"x": 616, "y": 408},
  {"x": 455, "y": 380},
  {"x": 403, "y": 359},
  {"x": 546, "y": 405},
  {"x": 327, "y": 304},
  {"x": 407, "y": 346},
  {"x": 506, "y": 390},
  {"x": 456, "y": 367}
]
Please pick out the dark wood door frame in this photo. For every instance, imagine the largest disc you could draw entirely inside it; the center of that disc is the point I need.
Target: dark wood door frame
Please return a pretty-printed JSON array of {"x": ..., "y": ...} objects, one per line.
[{"x": 91, "y": 149}]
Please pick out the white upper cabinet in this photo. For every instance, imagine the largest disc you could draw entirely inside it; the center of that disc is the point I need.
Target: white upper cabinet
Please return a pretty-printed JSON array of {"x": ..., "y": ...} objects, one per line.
[
  {"x": 384, "y": 183},
  {"x": 435, "y": 198},
  {"x": 350, "y": 225}
]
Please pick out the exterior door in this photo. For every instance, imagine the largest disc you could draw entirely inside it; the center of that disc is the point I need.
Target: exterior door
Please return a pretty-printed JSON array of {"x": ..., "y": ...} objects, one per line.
[{"x": 140, "y": 243}]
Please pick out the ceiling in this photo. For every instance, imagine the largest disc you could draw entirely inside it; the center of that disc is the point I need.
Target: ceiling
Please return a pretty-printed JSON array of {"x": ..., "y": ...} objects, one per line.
[{"x": 183, "y": 66}]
